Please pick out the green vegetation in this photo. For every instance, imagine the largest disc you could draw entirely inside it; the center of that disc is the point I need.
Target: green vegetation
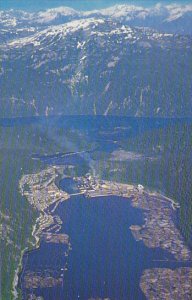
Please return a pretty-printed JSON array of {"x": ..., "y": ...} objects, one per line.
[{"x": 169, "y": 173}]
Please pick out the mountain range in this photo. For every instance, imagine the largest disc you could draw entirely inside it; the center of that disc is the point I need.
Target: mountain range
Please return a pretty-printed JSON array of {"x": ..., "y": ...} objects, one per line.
[{"x": 123, "y": 60}]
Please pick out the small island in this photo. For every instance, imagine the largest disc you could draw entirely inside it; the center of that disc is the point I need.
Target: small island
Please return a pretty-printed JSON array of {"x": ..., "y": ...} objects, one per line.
[{"x": 158, "y": 231}]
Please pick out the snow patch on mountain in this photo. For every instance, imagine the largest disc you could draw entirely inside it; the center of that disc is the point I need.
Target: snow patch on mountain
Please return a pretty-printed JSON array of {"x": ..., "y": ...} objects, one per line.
[
  {"x": 52, "y": 14},
  {"x": 177, "y": 11},
  {"x": 130, "y": 12},
  {"x": 123, "y": 12},
  {"x": 58, "y": 30}
]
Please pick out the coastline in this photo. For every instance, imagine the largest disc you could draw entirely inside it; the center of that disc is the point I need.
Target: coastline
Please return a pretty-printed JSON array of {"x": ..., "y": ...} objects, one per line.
[{"x": 157, "y": 209}]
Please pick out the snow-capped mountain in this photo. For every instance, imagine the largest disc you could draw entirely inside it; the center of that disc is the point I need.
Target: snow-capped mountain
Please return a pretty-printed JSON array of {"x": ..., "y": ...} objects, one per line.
[
  {"x": 131, "y": 12},
  {"x": 92, "y": 64},
  {"x": 176, "y": 18},
  {"x": 170, "y": 18},
  {"x": 166, "y": 18}
]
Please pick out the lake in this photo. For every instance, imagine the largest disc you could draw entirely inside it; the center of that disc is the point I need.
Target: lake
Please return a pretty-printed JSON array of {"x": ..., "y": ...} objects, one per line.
[{"x": 153, "y": 152}]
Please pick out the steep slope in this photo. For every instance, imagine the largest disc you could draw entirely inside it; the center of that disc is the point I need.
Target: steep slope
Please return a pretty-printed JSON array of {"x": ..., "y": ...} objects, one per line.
[
  {"x": 175, "y": 18},
  {"x": 96, "y": 66}
]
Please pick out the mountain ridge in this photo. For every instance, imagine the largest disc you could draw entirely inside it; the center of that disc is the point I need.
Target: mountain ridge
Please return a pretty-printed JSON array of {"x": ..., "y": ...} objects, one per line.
[
  {"x": 95, "y": 65},
  {"x": 159, "y": 15}
]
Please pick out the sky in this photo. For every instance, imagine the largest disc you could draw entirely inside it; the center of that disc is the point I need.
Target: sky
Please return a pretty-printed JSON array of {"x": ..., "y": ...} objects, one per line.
[{"x": 32, "y": 5}]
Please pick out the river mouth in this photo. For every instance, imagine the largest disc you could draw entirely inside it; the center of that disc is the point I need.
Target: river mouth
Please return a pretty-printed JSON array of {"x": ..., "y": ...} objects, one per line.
[{"x": 105, "y": 260}]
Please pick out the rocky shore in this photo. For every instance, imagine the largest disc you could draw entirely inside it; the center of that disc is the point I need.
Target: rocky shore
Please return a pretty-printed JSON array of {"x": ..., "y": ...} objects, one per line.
[{"x": 158, "y": 231}]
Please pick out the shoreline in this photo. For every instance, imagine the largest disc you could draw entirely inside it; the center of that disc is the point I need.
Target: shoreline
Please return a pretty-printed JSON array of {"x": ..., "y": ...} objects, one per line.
[{"x": 157, "y": 209}]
